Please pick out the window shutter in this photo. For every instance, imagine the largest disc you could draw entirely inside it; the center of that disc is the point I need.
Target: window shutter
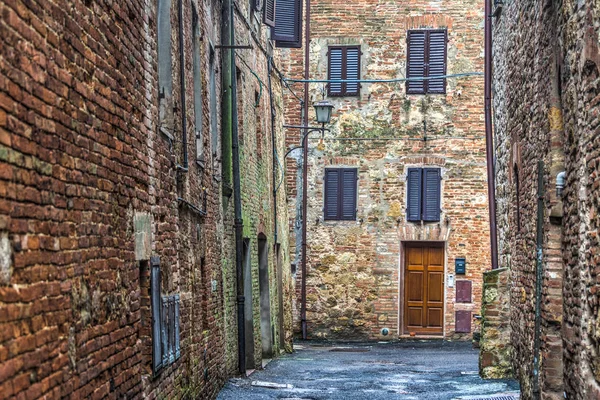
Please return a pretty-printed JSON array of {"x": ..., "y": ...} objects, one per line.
[
  {"x": 336, "y": 60},
  {"x": 431, "y": 194},
  {"x": 156, "y": 305},
  {"x": 176, "y": 321},
  {"x": 288, "y": 23},
  {"x": 332, "y": 183},
  {"x": 437, "y": 61},
  {"x": 164, "y": 330},
  {"x": 416, "y": 61},
  {"x": 352, "y": 70},
  {"x": 348, "y": 190},
  {"x": 269, "y": 13},
  {"x": 413, "y": 197}
]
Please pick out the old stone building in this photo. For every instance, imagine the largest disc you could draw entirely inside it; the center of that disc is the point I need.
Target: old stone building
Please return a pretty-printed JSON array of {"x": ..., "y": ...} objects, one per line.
[
  {"x": 545, "y": 77},
  {"x": 117, "y": 197},
  {"x": 397, "y": 192}
]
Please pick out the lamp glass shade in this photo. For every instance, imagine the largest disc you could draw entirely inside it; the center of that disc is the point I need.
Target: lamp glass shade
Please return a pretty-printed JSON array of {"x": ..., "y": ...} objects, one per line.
[{"x": 323, "y": 110}]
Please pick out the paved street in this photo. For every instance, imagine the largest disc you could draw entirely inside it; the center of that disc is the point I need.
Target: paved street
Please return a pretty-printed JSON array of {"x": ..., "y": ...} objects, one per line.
[{"x": 407, "y": 370}]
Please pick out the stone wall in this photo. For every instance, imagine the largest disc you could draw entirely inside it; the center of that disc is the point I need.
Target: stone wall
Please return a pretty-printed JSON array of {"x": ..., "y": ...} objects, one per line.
[
  {"x": 355, "y": 268},
  {"x": 495, "y": 356},
  {"x": 544, "y": 111},
  {"x": 91, "y": 188}
]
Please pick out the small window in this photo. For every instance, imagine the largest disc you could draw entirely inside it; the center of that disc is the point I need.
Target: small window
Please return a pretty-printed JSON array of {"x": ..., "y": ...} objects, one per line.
[
  {"x": 288, "y": 23},
  {"x": 423, "y": 198},
  {"x": 165, "y": 74},
  {"x": 426, "y": 57},
  {"x": 165, "y": 322},
  {"x": 344, "y": 63},
  {"x": 196, "y": 42},
  {"x": 340, "y": 194}
]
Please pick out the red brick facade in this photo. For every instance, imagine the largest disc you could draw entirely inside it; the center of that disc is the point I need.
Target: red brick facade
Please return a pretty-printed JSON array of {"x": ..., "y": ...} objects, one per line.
[
  {"x": 91, "y": 189},
  {"x": 355, "y": 268}
]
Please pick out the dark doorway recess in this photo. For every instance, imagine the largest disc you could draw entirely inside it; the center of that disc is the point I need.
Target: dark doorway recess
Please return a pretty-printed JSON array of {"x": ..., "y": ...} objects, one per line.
[
  {"x": 424, "y": 288},
  {"x": 265, "y": 298},
  {"x": 248, "y": 309}
]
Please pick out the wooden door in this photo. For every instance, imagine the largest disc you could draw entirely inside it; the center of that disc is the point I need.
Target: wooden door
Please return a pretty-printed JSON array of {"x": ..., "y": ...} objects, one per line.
[{"x": 424, "y": 289}]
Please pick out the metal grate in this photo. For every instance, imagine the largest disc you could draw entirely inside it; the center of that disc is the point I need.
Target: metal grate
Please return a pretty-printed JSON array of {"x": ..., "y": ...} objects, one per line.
[{"x": 497, "y": 397}]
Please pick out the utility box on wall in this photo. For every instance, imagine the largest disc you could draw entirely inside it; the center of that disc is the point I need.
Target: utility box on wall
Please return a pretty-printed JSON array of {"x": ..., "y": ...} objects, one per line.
[{"x": 460, "y": 266}]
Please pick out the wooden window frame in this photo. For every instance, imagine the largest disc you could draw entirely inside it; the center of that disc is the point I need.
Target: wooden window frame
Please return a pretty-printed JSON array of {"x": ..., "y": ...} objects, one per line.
[
  {"x": 340, "y": 195},
  {"x": 344, "y": 91},
  {"x": 425, "y": 89}
]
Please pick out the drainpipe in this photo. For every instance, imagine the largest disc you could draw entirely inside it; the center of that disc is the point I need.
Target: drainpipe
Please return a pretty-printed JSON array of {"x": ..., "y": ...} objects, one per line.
[
  {"x": 226, "y": 105},
  {"x": 230, "y": 119},
  {"x": 274, "y": 151},
  {"x": 305, "y": 170},
  {"x": 489, "y": 140},
  {"x": 538, "y": 281},
  {"x": 182, "y": 84}
]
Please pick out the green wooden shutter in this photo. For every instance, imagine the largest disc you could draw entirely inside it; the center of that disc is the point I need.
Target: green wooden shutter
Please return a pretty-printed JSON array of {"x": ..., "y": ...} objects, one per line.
[
  {"x": 416, "y": 59},
  {"x": 431, "y": 194},
  {"x": 288, "y": 23},
  {"x": 348, "y": 194},
  {"x": 436, "y": 64},
  {"x": 413, "y": 196}
]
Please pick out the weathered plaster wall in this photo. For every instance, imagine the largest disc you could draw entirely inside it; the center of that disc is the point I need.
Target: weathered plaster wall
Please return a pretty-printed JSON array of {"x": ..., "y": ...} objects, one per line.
[{"x": 354, "y": 267}]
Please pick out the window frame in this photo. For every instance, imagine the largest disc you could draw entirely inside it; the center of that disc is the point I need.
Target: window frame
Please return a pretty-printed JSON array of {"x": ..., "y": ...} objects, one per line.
[
  {"x": 426, "y": 57},
  {"x": 344, "y": 90},
  {"x": 340, "y": 195}
]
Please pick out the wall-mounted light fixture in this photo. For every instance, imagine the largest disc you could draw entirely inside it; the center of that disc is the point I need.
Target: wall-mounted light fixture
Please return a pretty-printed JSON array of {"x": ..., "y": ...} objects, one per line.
[{"x": 561, "y": 180}]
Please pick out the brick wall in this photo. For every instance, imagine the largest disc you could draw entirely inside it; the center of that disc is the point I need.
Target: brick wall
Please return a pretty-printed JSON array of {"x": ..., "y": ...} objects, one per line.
[
  {"x": 544, "y": 106},
  {"x": 354, "y": 268},
  {"x": 90, "y": 189}
]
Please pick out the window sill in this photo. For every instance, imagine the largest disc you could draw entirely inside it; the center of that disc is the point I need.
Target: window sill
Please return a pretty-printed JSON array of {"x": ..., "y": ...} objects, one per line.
[{"x": 166, "y": 133}]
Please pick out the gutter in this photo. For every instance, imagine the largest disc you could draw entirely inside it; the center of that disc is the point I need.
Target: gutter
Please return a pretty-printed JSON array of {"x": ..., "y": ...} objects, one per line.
[
  {"x": 305, "y": 171},
  {"x": 489, "y": 142}
]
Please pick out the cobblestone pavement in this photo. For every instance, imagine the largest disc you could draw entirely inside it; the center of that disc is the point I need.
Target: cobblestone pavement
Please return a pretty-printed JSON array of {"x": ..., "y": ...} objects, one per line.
[{"x": 401, "y": 370}]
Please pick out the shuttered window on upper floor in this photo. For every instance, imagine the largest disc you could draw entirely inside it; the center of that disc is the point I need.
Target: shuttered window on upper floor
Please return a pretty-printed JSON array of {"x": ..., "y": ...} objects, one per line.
[
  {"x": 340, "y": 196},
  {"x": 344, "y": 63},
  {"x": 423, "y": 199},
  {"x": 287, "y": 31},
  {"x": 269, "y": 12},
  {"x": 426, "y": 57}
]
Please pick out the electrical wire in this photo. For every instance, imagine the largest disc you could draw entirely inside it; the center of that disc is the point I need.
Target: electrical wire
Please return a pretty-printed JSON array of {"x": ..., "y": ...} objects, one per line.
[{"x": 396, "y": 80}]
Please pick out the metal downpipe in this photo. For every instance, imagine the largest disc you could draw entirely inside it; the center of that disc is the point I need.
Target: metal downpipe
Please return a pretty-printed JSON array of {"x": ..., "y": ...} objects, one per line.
[
  {"x": 489, "y": 139},
  {"x": 237, "y": 199},
  {"x": 305, "y": 171}
]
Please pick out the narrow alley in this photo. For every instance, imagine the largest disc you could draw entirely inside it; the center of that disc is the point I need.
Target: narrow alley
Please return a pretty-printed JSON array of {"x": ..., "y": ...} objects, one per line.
[
  {"x": 432, "y": 370},
  {"x": 299, "y": 199}
]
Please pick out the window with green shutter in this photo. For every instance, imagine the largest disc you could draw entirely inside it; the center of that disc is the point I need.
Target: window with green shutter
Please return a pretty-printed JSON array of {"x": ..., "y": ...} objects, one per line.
[
  {"x": 340, "y": 195},
  {"x": 426, "y": 57},
  {"x": 344, "y": 63},
  {"x": 287, "y": 31},
  {"x": 423, "y": 198}
]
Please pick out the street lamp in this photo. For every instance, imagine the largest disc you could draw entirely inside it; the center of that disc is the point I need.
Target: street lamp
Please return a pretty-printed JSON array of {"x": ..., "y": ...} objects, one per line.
[{"x": 323, "y": 111}]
